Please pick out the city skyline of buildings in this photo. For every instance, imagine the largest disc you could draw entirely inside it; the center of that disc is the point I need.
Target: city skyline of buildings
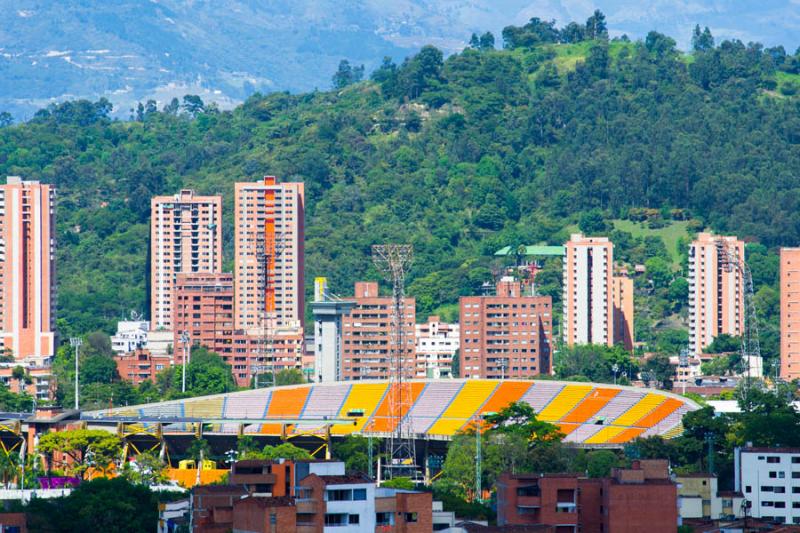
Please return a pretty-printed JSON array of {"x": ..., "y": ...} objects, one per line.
[{"x": 269, "y": 240}]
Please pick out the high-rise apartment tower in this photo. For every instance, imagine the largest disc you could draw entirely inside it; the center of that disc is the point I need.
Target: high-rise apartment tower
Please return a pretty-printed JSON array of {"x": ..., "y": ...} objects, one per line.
[
  {"x": 269, "y": 251},
  {"x": 27, "y": 268},
  {"x": 185, "y": 238}
]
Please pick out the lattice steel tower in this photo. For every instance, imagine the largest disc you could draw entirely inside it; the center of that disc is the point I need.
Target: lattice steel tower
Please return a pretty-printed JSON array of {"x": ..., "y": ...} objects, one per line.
[
  {"x": 393, "y": 261},
  {"x": 269, "y": 247},
  {"x": 751, "y": 348}
]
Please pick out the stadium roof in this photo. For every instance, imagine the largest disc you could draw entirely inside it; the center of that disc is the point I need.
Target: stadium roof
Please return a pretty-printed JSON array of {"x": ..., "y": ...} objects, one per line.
[
  {"x": 538, "y": 250},
  {"x": 587, "y": 413}
]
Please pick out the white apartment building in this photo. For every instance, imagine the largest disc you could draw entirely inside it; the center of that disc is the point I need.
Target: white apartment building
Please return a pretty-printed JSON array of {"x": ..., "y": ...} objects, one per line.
[
  {"x": 588, "y": 284},
  {"x": 131, "y": 335},
  {"x": 437, "y": 342},
  {"x": 769, "y": 480}
]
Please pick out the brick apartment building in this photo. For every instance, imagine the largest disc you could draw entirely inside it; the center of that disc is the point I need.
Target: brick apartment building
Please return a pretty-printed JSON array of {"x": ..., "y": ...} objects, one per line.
[
  {"x": 37, "y": 381},
  {"x": 506, "y": 335},
  {"x": 790, "y": 313},
  {"x": 27, "y": 269},
  {"x": 204, "y": 308},
  {"x": 307, "y": 497},
  {"x": 642, "y": 498},
  {"x": 142, "y": 365},
  {"x": 366, "y": 337}
]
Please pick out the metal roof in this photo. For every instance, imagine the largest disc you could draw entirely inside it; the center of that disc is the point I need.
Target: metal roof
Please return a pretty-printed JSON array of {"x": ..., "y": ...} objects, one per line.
[{"x": 540, "y": 250}]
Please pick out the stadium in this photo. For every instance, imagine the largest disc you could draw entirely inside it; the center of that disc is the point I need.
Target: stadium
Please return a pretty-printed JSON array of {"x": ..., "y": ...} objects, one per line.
[{"x": 589, "y": 414}]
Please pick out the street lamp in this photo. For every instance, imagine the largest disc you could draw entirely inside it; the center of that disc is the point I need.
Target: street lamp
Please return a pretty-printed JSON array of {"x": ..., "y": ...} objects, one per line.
[
  {"x": 76, "y": 342},
  {"x": 185, "y": 339},
  {"x": 615, "y": 369}
]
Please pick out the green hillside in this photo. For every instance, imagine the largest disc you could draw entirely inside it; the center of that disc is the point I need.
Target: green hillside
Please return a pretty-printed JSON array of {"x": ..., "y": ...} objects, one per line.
[{"x": 459, "y": 157}]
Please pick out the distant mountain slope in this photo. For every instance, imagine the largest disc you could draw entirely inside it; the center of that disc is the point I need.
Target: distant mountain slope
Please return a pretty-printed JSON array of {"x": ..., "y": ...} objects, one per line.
[{"x": 130, "y": 50}]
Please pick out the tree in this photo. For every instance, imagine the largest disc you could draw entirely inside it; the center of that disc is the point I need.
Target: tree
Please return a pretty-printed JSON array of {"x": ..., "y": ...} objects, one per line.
[
  {"x": 97, "y": 505},
  {"x": 400, "y": 482},
  {"x": 354, "y": 451},
  {"x": 86, "y": 448},
  {"x": 596, "y": 26},
  {"x": 702, "y": 41},
  {"x": 193, "y": 104},
  {"x": 199, "y": 449},
  {"x": 347, "y": 75},
  {"x": 659, "y": 369},
  {"x": 6, "y": 119},
  {"x": 206, "y": 373},
  {"x": 486, "y": 41},
  {"x": 593, "y": 222},
  {"x": 285, "y": 451},
  {"x": 290, "y": 376},
  {"x": 600, "y": 463},
  {"x": 519, "y": 418},
  {"x": 147, "y": 469},
  {"x": 724, "y": 343}
]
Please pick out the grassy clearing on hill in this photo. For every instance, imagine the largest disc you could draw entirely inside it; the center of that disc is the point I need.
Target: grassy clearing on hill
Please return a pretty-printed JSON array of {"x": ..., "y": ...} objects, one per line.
[{"x": 670, "y": 234}]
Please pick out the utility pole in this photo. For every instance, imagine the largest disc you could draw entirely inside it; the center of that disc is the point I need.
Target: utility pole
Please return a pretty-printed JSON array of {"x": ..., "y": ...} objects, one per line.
[
  {"x": 185, "y": 339},
  {"x": 478, "y": 459},
  {"x": 76, "y": 342}
]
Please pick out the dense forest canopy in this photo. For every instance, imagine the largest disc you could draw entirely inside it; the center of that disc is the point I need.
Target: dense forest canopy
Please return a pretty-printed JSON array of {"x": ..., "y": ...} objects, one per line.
[{"x": 562, "y": 128}]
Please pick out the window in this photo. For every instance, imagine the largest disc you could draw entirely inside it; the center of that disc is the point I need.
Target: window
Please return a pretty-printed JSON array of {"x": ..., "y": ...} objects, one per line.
[
  {"x": 359, "y": 495},
  {"x": 410, "y": 518},
  {"x": 354, "y": 519},
  {"x": 773, "y": 459},
  {"x": 335, "y": 519},
  {"x": 383, "y": 519},
  {"x": 780, "y": 505},
  {"x": 273, "y": 518},
  {"x": 748, "y": 488}
]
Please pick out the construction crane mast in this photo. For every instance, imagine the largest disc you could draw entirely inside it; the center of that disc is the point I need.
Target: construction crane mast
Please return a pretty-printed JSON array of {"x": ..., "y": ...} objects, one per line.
[
  {"x": 393, "y": 261},
  {"x": 269, "y": 247},
  {"x": 750, "y": 349}
]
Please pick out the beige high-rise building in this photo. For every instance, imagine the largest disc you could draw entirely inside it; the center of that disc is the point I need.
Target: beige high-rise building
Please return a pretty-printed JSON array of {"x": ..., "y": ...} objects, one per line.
[
  {"x": 269, "y": 254},
  {"x": 622, "y": 295},
  {"x": 588, "y": 287},
  {"x": 185, "y": 238},
  {"x": 790, "y": 313},
  {"x": 716, "y": 289},
  {"x": 27, "y": 268}
]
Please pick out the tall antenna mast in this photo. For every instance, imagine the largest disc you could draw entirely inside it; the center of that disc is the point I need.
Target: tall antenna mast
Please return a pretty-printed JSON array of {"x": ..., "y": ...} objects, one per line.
[
  {"x": 393, "y": 261},
  {"x": 751, "y": 347},
  {"x": 269, "y": 247}
]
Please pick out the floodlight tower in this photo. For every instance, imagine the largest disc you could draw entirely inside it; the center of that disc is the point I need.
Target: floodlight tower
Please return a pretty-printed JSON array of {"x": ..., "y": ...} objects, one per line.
[
  {"x": 750, "y": 348},
  {"x": 269, "y": 247},
  {"x": 393, "y": 261}
]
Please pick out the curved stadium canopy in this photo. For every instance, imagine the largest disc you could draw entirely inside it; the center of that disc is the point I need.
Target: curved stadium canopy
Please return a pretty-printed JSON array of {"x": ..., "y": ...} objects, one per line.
[{"x": 588, "y": 413}]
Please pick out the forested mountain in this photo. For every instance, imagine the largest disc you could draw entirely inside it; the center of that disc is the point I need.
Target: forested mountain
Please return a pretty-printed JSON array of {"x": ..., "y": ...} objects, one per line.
[
  {"x": 224, "y": 50},
  {"x": 459, "y": 157}
]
